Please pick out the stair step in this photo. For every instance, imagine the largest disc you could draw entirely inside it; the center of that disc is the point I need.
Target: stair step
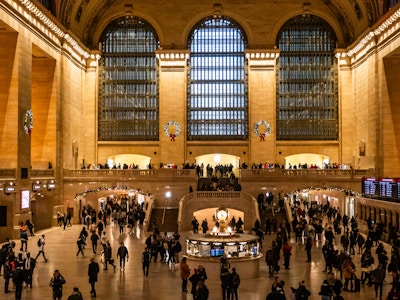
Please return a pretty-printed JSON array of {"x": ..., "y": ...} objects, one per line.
[{"x": 170, "y": 219}]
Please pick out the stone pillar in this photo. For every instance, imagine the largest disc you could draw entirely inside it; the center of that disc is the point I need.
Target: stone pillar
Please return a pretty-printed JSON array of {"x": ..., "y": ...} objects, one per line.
[
  {"x": 173, "y": 81},
  {"x": 262, "y": 104}
]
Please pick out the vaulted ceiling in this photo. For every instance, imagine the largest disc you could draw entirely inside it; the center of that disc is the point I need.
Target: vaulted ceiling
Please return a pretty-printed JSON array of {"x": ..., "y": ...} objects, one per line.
[{"x": 86, "y": 19}]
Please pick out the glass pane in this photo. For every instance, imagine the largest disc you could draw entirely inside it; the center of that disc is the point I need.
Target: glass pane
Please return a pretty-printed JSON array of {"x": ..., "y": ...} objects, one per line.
[
  {"x": 128, "y": 83},
  {"x": 307, "y": 93},
  {"x": 217, "y": 101}
]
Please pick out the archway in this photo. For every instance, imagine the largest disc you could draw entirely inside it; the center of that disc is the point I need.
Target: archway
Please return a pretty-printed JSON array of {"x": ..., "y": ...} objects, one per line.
[
  {"x": 139, "y": 161},
  {"x": 214, "y": 159},
  {"x": 317, "y": 160}
]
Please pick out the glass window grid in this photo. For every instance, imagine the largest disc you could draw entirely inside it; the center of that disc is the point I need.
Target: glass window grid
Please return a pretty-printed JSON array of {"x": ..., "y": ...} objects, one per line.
[
  {"x": 307, "y": 105},
  {"x": 217, "y": 84},
  {"x": 128, "y": 83}
]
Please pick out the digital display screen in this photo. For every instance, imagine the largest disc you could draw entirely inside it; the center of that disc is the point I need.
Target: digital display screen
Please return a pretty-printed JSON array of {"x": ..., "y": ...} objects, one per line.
[
  {"x": 217, "y": 252},
  {"x": 388, "y": 187},
  {"x": 25, "y": 199},
  {"x": 370, "y": 186}
]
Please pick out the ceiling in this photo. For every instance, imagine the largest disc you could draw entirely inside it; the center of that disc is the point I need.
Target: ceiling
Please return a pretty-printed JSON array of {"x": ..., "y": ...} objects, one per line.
[{"x": 86, "y": 19}]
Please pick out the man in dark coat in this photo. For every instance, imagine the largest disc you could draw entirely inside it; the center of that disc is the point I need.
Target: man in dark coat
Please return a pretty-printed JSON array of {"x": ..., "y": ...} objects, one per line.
[
  {"x": 28, "y": 267},
  {"x": 93, "y": 270}
]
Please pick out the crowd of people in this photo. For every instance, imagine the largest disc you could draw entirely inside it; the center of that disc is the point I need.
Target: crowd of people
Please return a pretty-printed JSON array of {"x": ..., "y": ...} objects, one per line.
[{"x": 342, "y": 242}]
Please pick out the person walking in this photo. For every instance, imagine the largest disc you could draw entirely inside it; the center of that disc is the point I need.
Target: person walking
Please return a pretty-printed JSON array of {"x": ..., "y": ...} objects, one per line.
[
  {"x": 185, "y": 272},
  {"x": 108, "y": 256},
  {"x": 123, "y": 255},
  {"x": 146, "y": 261},
  {"x": 378, "y": 276},
  {"x": 234, "y": 282},
  {"x": 41, "y": 242},
  {"x": 81, "y": 244},
  {"x": 93, "y": 270},
  {"x": 56, "y": 283},
  {"x": 94, "y": 238},
  {"x": 76, "y": 295}
]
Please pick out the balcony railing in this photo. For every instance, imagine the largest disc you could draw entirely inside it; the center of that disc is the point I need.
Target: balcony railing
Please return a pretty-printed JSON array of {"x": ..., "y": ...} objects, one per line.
[{"x": 11, "y": 174}]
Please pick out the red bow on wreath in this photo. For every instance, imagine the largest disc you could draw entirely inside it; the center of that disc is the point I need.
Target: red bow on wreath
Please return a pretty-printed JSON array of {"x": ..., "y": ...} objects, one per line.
[
  {"x": 172, "y": 137},
  {"x": 262, "y": 137}
]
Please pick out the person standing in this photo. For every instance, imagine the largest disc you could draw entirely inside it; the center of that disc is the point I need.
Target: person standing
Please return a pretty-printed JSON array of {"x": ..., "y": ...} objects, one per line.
[
  {"x": 18, "y": 279},
  {"x": 287, "y": 252},
  {"x": 123, "y": 255},
  {"x": 23, "y": 236},
  {"x": 7, "y": 275},
  {"x": 146, "y": 261},
  {"x": 185, "y": 272},
  {"x": 93, "y": 270},
  {"x": 195, "y": 225},
  {"x": 308, "y": 247},
  {"x": 194, "y": 279},
  {"x": 224, "y": 276},
  {"x": 204, "y": 226},
  {"x": 41, "y": 242},
  {"x": 76, "y": 295},
  {"x": 29, "y": 266},
  {"x": 202, "y": 291},
  {"x": 56, "y": 283},
  {"x": 234, "y": 282},
  {"x": 30, "y": 227}
]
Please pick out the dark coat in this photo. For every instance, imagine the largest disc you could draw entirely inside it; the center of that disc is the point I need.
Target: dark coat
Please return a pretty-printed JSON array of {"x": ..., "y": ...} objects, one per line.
[{"x": 93, "y": 270}]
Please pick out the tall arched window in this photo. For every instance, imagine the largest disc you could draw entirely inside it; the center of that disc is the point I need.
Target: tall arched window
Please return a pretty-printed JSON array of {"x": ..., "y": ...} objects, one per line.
[
  {"x": 307, "y": 92},
  {"x": 388, "y": 4},
  {"x": 217, "y": 107},
  {"x": 128, "y": 83}
]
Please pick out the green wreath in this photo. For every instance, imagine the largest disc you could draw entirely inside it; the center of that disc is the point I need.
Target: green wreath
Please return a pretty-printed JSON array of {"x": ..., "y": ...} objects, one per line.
[
  {"x": 172, "y": 134},
  {"x": 262, "y": 134},
  {"x": 28, "y": 122}
]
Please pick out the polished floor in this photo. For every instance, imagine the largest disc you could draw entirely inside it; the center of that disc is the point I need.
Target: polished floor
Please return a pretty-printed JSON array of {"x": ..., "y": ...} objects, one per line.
[{"x": 162, "y": 283}]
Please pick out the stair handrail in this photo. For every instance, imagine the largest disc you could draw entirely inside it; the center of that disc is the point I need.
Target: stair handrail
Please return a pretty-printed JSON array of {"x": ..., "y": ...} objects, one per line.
[{"x": 165, "y": 208}]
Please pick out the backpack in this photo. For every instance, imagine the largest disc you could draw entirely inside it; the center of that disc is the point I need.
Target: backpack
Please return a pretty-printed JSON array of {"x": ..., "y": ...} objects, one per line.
[
  {"x": 39, "y": 242},
  {"x": 236, "y": 280}
]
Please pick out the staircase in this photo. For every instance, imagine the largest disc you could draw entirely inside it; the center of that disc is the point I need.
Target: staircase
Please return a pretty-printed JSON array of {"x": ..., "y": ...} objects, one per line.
[
  {"x": 170, "y": 219},
  {"x": 279, "y": 216}
]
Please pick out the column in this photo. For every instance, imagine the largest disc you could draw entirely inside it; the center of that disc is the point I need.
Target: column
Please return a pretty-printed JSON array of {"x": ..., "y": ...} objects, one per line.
[
  {"x": 173, "y": 81},
  {"x": 262, "y": 104}
]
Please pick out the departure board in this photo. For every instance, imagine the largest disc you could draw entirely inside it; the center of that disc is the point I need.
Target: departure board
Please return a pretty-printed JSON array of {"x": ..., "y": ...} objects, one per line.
[
  {"x": 370, "y": 186},
  {"x": 388, "y": 187}
]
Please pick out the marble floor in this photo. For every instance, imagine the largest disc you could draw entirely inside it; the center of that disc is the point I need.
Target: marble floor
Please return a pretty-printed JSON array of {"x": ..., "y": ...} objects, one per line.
[{"x": 162, "y": 283}]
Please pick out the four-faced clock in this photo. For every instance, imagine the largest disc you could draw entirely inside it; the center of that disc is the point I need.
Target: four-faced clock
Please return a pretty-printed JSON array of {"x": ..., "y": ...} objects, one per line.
[{"x": 221, "y": 214}]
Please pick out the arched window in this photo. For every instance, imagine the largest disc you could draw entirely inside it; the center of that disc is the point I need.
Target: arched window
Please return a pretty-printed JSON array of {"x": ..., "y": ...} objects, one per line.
[
  {"x": 217, "y": 102},
  {"x": 307, "y": 92},
  {"x": 128, "y": 82},
  {"x": 388, "y": 4}
]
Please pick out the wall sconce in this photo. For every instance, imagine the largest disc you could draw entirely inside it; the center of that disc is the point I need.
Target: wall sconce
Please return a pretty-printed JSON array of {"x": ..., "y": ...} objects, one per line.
[
  {"x": 51, "y": 185},
  {"x": 37, "y": 186},
  {"x": 10, "y": 188}
]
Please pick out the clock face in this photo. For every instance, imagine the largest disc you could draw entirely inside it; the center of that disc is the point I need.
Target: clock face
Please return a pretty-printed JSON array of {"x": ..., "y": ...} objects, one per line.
[{"x": 222, "y": 214}]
